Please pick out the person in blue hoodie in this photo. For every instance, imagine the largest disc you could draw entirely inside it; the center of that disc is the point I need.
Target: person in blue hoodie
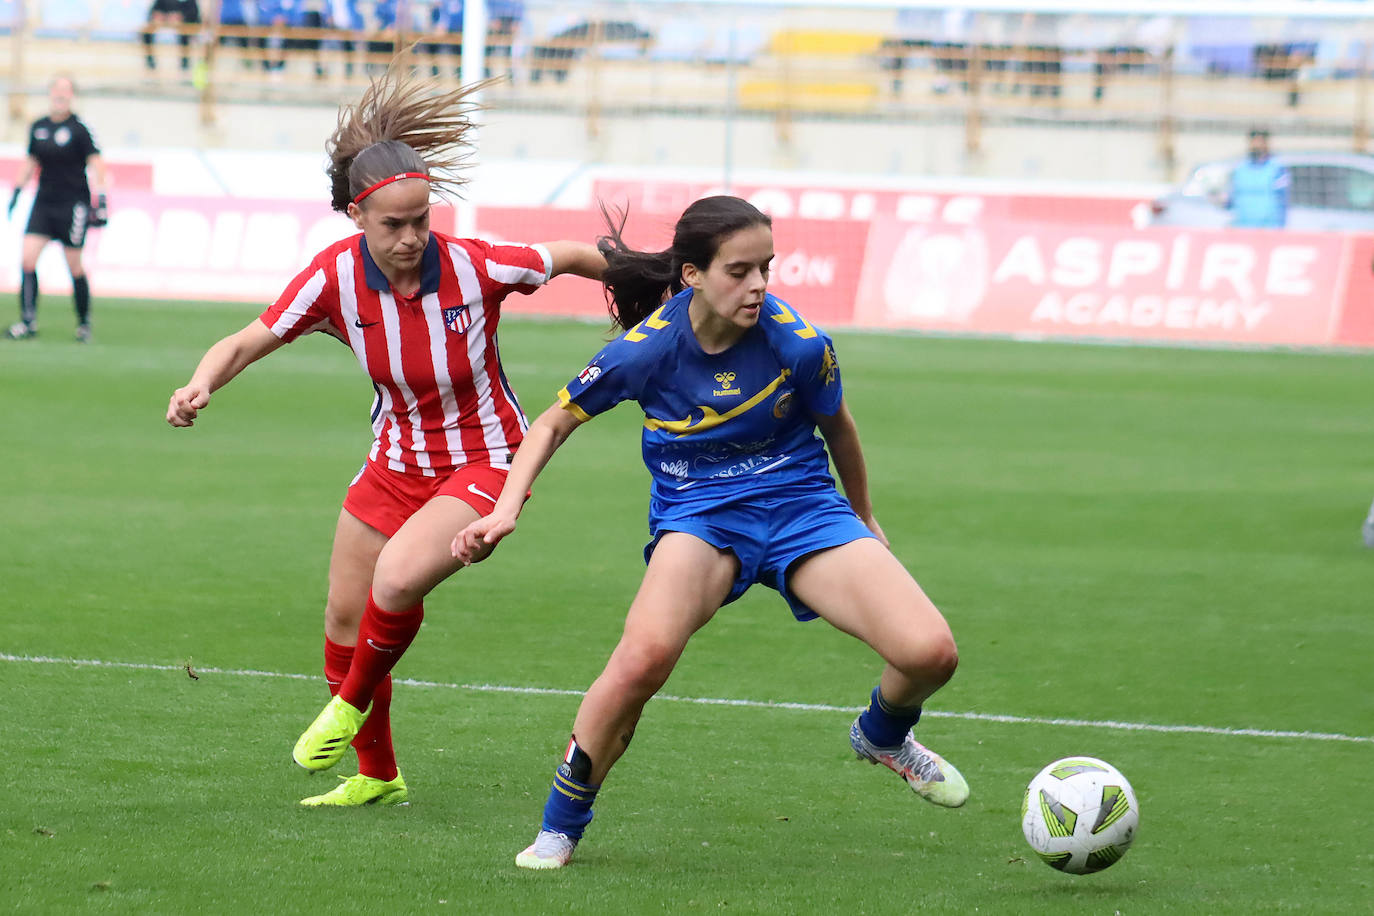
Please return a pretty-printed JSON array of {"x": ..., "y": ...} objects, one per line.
[{"x": 1258, "y": 197}]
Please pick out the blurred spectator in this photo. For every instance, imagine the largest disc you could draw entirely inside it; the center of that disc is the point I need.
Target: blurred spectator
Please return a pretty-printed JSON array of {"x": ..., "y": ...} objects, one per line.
[
  {"x": 446, "y": 19},
  {"x": 277, "y": 16},
  {"x": 1278, "y": 62},
  {"x": 236, "y": 14},
  {"x": 447, "y": 23},
  {"x": 1258, "y": 197},
  {"x": 344, "y": 17},
  {"x": 312, "y": 17},
  {"x": 382, "y": 46},
  {"x": 169, "y": 14},
  {"x": 503, "y": 20}
]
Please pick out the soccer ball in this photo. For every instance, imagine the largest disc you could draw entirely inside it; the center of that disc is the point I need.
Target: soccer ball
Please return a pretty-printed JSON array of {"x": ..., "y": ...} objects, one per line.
[{"x": 1079, "y": 815}]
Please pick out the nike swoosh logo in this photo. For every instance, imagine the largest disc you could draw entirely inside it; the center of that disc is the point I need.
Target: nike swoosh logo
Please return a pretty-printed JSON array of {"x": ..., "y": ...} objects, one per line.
[
  {"x": 358, "y": 323},
  {"x": 475, "y": 491},
  {"x": 380, "y": 648}
]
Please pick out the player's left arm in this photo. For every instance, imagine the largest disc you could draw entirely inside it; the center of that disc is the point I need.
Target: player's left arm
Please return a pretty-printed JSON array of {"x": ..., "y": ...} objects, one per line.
[
  {"x": 95, "y": 164},
  {"x": 841, "y": 436},
  {"x": 578, "y": 258}
]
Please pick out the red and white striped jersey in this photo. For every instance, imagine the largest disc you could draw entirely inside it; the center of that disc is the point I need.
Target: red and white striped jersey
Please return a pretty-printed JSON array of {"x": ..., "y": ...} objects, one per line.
[{"x": 442, "y": 398}]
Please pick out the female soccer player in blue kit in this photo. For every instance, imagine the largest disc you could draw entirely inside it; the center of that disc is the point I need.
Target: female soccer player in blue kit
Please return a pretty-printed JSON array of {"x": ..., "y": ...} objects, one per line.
[{"x": 734, "y": 385}]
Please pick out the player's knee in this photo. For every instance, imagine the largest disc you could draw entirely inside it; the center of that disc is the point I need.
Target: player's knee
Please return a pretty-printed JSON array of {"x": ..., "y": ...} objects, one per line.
[
  {"x": 393, "y": 594},
  {"x": 931, "y": 659},
  {"x": 342, "y": 611},
  {"x": 395, "y": 583},
  {"x": 642, "y": 668},
  {"x": 942, "y": 658}
]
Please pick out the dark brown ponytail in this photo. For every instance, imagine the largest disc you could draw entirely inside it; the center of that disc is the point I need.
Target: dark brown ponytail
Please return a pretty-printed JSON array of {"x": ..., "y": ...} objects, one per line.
[{"x": 638, "y": 281}]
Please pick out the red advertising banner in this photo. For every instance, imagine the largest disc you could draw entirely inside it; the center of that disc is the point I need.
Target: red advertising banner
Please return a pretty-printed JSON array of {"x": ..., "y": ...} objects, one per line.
[
  {"x": 1356, "y": 326},
  {"x": 216, "y": 248},
  {"x": 787, "y": 201},
  {"x": 987, "y": 276},
  {"x": 1161, "y": 284},
  {"x": 816, "y": 267}
]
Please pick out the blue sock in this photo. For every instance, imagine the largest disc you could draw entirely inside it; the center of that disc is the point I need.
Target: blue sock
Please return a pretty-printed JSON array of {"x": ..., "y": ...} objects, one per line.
[
  {"x": 886, "y": 725},
  {"x": 569, "y": 808}
]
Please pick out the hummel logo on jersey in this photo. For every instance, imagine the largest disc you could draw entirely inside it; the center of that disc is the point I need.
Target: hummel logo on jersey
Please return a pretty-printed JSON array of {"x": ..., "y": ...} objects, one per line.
[
  {"x": 726, "y": 379},
  {"x": 359, "y": 323},
  {"x": 828, "y": 365}
]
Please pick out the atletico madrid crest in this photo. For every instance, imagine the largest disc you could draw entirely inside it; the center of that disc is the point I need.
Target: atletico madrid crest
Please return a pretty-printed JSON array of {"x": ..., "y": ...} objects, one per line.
[{"x": 457, "y": 319}]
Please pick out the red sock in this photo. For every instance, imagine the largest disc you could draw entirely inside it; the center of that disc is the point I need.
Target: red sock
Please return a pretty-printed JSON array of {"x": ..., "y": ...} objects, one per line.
[
  {"x": 383, "y": 638},
  {"x": 376, "y": 756}
]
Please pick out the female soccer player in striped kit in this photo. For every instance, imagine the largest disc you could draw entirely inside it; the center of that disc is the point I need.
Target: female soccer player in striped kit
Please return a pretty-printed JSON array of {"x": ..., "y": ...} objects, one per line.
[
  {"x": 420, "y": 310},
  {"x": 735, "y": 385}
]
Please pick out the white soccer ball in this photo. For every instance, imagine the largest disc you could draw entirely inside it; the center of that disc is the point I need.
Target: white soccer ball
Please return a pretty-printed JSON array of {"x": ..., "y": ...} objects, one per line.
[{"x": 1079, "y": 815}]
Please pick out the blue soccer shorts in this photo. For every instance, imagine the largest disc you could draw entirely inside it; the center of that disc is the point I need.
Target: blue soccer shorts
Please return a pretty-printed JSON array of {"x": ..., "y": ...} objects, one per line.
[{"x": 767, "y": 534}]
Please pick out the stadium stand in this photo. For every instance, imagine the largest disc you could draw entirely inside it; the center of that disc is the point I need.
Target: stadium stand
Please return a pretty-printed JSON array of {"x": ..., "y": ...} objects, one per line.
[{"x": 1187, "y": 79}]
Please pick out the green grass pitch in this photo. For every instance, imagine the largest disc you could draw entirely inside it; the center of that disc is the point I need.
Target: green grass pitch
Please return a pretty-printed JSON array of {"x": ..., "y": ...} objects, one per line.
[{"x": 1146, "y": 536}]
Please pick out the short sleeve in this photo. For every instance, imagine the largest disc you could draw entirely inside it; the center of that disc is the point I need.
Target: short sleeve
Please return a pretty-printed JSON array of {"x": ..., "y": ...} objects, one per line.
[
  {"x": 33, "y": 140},
  {"x": 817, "y": 376},
  {"x": 304, "y": 306},
  {"x": 514, "y": 268},
  {"x": 612, "y": 376},
  {"x": 88, "y": 142}
]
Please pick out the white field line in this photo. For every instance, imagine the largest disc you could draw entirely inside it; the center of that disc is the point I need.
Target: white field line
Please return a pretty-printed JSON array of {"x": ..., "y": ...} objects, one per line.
[{"x": 719, "y": 701}]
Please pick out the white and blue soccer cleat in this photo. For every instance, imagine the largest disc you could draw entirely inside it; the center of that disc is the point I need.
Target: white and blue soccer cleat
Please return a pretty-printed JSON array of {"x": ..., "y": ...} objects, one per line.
[
  {"x": 549, "y": 850},
  {"x": 929, "y": 775}
]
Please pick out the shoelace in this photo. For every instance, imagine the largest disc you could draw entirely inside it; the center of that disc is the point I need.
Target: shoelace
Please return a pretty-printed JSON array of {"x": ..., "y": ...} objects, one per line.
[
  {"x": 919, "y": 762},
  {"x": 549, "y": 844}
]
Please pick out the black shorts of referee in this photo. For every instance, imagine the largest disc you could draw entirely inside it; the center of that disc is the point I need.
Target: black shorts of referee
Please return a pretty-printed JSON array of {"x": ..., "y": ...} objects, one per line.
[{"x": 65, "y": 221}]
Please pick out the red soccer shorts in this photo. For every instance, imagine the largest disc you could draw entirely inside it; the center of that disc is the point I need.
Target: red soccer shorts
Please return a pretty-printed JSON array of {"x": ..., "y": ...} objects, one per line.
[{"x": 384, "y": 499}]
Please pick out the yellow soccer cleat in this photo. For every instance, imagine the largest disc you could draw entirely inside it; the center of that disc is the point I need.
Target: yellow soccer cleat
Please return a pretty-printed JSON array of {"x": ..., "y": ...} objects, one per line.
[
  {"x": 323, "y": 744},
  {"x": 359, "y": 790}
]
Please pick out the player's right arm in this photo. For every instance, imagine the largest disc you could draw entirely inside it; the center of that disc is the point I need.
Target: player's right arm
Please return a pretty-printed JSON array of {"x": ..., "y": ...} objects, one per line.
[
  {"x": 549, "y": 431},
  {"x": 217, "y": 367},
  {"x": 578, "y": 258},
  {"x": 25, "y": 173}
]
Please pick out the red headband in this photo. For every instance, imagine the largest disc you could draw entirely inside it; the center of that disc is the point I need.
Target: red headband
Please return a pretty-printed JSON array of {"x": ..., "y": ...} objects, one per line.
[{"x": 386, "y": 181}]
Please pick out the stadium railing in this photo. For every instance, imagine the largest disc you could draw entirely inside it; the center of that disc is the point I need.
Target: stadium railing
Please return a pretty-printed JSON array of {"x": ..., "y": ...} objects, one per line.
[{"x": 1157, "y": 65}]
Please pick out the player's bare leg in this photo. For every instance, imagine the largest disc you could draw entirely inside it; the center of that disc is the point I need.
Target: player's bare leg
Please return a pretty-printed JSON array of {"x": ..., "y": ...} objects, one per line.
[
  {"x": 862, "y": 589},
  {"x": 351, "y": 563},
  {"x": 418, "y": 557},
  {"x": 663, "y": 616}
]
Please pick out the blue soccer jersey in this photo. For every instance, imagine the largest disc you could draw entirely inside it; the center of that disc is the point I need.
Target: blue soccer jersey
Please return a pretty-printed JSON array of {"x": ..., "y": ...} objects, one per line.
[{"x": 720, "y": 426}]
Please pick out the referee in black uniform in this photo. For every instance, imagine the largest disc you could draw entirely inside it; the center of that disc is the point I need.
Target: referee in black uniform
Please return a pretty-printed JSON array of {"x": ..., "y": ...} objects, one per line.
[{"x": 61, "y": 149}]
